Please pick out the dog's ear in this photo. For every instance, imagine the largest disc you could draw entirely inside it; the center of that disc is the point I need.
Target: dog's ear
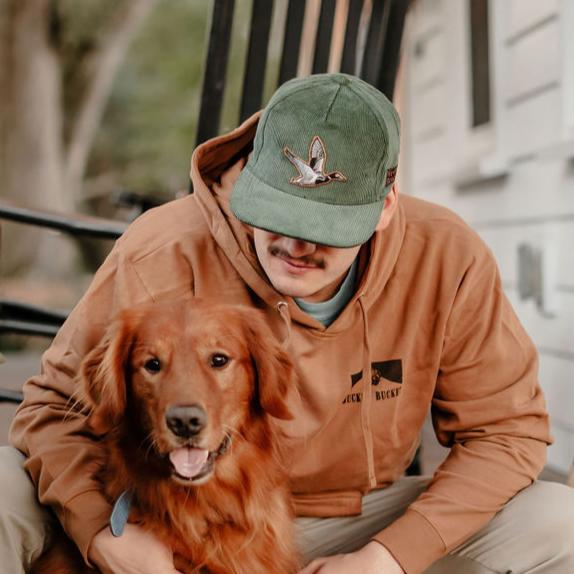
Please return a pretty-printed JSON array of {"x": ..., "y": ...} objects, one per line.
[
  {"x": 276, "y": 376},
  {"x": 104, "y": 372}
]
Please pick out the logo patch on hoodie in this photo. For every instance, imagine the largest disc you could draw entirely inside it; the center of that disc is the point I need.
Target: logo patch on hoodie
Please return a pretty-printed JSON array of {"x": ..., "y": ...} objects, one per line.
[
  {"x": 391, "y": 370},
  {"x": 381, "y": 370}
]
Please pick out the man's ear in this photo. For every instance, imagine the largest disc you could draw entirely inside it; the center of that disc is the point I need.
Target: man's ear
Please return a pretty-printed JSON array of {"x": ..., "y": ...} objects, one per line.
[{"x": 389, "y": 208}]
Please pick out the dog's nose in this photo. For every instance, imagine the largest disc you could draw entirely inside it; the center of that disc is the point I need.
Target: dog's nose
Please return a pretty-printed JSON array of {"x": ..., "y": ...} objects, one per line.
[{"x": 186, "y": 420}]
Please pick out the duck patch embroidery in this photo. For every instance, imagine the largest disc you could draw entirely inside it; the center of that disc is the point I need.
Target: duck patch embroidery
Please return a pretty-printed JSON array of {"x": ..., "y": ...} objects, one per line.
[{"x": 312, "y": 173}]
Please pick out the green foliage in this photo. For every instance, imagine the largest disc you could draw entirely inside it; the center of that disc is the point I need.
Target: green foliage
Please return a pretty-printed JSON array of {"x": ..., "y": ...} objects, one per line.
[
  {"x": 75, "y": 30},
  {"x": 148, "y": 130}
]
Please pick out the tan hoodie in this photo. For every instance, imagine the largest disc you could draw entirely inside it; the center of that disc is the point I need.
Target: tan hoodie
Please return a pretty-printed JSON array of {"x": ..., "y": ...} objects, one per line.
[{"x": 429, "y": 320}]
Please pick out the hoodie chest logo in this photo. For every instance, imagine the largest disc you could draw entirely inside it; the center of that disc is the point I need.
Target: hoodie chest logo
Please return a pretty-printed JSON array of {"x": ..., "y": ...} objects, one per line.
[
  {"x": 380, "y": 371},
  {"x": 391, "y": 370},
  {"x": 312, "y": 172}
]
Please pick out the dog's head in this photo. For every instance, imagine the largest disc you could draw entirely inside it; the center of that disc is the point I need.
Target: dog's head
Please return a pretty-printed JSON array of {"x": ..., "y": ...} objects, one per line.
[{"x": 184, "y": 378}]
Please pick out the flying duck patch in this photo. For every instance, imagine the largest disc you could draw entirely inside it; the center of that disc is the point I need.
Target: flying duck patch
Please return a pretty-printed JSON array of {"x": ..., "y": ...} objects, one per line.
[{"x": 312, "y": 172}]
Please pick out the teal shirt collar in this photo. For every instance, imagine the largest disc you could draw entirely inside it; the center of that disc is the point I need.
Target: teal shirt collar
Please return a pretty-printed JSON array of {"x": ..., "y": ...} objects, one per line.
[{"x": 327, "y": 311}]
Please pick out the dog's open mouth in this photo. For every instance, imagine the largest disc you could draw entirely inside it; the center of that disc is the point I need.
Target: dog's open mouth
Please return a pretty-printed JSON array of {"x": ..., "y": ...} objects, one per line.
[{"x": 191, "y": 464}]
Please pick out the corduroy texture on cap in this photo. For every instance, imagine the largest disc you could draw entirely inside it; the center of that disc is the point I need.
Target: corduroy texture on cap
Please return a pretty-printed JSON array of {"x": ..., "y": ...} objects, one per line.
[{"x": 324, "y": 158}]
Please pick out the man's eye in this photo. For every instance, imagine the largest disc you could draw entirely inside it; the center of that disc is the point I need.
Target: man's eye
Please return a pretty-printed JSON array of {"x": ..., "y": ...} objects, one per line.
[
  {"x": 218, "y": 360},
  {"x": 152, "y": 366}
]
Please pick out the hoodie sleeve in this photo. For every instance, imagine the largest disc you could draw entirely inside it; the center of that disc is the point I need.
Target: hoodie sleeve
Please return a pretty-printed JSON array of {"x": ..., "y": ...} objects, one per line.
[
  {"x": 62, "y": 453},
  {"x": 489, "y": 409}
]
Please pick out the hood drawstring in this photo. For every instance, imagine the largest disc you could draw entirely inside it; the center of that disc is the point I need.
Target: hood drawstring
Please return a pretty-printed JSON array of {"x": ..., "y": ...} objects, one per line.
[
  {"x": 283, "y": 310},
  {"x": 367, "y": 397}
]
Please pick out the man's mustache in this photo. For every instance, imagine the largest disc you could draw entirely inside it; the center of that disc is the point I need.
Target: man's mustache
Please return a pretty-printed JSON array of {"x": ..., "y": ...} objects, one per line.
[{"x": 318, "y": 262}]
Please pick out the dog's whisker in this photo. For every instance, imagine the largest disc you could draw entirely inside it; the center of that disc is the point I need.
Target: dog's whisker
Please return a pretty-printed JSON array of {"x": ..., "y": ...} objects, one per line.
[
  {"x": 74, "y": 405},
  {"x": 233, "y": 432},
  {"x": 150, "y": 444}
]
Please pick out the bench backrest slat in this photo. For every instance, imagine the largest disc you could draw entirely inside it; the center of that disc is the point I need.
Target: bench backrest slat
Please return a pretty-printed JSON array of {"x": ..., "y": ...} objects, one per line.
[
  {"x": 374, "y": 46},
  {"x": 387, "y": 75},
  {"x": 349, "y": 56},
  {"x": 215, "y": 69},
  {"x": 292, "y": 40},
  {"x": 324, "y": 35},
  {"x": 254, "y": 76}
]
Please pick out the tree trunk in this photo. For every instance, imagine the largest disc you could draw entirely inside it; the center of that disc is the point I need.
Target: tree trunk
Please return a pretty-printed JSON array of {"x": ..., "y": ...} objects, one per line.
[
  {"x": 35, "y": 168},
  {"x": 32, "y": 156},
  {"x": 100, "y": 71}
]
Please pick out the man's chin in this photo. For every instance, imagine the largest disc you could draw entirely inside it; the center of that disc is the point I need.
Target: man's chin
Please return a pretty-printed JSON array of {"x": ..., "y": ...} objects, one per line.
[{"x": 293, "y": 288}]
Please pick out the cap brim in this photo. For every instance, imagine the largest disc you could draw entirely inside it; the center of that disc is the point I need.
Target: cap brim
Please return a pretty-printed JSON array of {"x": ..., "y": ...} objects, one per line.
[{"x": 260, "y": 205}]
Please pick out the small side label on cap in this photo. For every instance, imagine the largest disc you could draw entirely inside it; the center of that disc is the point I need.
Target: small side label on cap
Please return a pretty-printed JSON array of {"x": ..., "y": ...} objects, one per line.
[{"x": 391, "y": 175}]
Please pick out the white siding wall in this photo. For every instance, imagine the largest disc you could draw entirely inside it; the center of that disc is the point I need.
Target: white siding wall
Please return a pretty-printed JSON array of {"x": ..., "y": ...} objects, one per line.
[{"x": 512, "y": 180}]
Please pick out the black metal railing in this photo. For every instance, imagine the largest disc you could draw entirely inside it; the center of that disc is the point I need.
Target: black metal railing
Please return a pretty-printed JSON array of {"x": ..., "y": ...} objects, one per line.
[
  {"x": 25, "y": 319},
  {"x": 77, "y": 225},
  {"x": 22, "y": 318}
]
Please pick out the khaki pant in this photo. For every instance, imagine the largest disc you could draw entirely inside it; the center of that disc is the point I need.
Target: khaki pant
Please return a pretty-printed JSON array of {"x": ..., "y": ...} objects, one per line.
[{"x": 534, "y": 532}]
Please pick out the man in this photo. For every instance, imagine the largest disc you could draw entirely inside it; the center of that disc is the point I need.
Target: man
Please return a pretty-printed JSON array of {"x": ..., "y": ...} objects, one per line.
[{"x": 388, "y": 307}]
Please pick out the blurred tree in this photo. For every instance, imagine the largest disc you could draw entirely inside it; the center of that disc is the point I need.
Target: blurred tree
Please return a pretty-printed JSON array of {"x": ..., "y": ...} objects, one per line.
[
  {"x": 148, "y": 130},
  {"x": 58, "y": 59}
]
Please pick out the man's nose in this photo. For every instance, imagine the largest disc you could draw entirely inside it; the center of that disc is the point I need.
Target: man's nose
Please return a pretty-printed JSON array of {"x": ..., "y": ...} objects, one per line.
[{"x": 298, "y": 247}]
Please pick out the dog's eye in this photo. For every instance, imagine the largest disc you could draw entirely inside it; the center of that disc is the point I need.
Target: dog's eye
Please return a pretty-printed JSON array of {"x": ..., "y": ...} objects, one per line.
[
  {"x": 218, "y": 360},
  {"x": 152, "y": 366}
]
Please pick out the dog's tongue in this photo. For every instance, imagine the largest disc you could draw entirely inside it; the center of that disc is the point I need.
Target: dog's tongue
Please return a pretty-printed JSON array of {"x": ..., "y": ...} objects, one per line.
[{"x": 188, "y": 461}]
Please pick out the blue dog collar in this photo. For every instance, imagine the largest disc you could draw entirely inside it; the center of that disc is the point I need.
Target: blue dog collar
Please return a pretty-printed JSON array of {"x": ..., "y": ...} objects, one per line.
[{"x": 120, "y": 513}]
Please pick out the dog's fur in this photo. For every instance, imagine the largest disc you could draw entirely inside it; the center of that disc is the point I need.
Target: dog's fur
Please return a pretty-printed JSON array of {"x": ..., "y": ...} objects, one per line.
[{"x": 237, "y": 521}]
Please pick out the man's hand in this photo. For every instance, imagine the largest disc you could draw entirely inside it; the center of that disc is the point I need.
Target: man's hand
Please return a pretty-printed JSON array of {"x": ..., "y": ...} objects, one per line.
[
  {"x": 373, "y": 558},
  {"x": 134, "y": 552}
]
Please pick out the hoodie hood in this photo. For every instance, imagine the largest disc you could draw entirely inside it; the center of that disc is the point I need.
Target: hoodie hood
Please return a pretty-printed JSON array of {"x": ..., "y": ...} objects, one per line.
[{"x": 215, "y": 166}]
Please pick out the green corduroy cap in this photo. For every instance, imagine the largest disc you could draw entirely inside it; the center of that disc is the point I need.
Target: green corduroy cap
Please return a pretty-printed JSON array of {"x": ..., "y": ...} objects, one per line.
[{"x": 324, "y": 157}]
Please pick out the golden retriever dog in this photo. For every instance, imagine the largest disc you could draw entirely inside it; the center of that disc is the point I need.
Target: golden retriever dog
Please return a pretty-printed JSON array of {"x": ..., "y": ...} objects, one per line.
[{"x": 184, "y": 396}]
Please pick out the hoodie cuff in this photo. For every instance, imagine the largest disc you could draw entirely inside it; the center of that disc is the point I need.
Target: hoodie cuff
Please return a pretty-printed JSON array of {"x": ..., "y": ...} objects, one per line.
[
  {"x": 84, "y": 516},
  {"x": 413, "y": 542}
]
